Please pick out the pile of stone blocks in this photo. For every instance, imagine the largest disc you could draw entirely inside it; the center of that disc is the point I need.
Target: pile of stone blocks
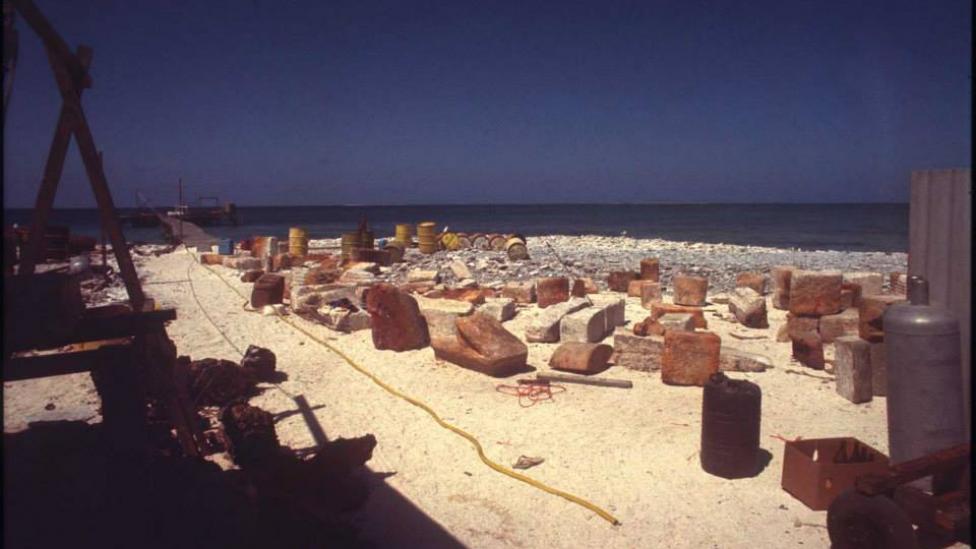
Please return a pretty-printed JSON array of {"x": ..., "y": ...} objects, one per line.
[
  {"x": 586, "y": 320},
  {"x": 812, "y": 295},
  {"x": 861, "y": 366}
]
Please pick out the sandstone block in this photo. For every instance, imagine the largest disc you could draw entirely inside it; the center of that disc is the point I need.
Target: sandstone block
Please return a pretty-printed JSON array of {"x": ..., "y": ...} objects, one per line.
[
  {"x": 844, "y": 323},
  {"x": 267, "y": 290},
  {"x": 780, "y": 300},
  {"x": 850, "y": 295},
  {"x": 754, "y": 280},
  {"x": 520, "y": 292},
  {"x": 749, "y": 307},
  {"x": 551, "y": 290},
  {"x": 582, "y": 358},
  {"x": 460, "y": 308},
  {"x": 483, "y": 345},
  {"x": 355, "y": 276},
  {"x": 675, "y": 321},
  {"x": 852, "y": 368},
  {"x": 440, "y": 325},
  {"x": 460, "y": 270},
  {"x": 780, "y": 276},
  {"x": 690, "y": 290},
  {"x": 650, "y": 293},
  {"x": 634, "y": 288},
  {"x": 618, "y": 281},
  {"x": 783, "y": 333},
  {"x": 242, "y": 262},
  {"x": 815, "y": 292},
  {"x": 650, "y": 269},
  {"x": 344, "y": 320},
  {"x": 587, "y": 325},
  {"x": 648, "y": 327},
  {"x": 421, "y": 275},
  {"x": 898, "y": 283},
  {"x": 735, "y": 360},
  {"x": 475, "y": 296},
  {"x": 689, "y": 357},
  {"x": 312, "y": 297},
  {"x": 395, "y": 319},
  {"x": 499, "y": 308},
  {"x": 421, "y": 287},
  {"x": 660, "y": 309},
  {"x": 211, "y": 259},
  {"x": 871, "y": 315},
  {"x": 636, "y": 352},
  {"x": 808, "y": 350},
  {"x": 280, "y": 261},
  {"x": 545, "y": 327},
  {"x": 615, "y": 308},
  {"x": 879, "y": 369},
  {"x": 801, "y": 326},
  {"x": 870, "y": 283}
]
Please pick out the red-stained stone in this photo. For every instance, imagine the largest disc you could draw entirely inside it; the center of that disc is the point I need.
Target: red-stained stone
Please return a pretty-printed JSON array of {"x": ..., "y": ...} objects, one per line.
[
  {"x": 482, "y": 344},
  {"x": 815, "y": 292},
  {"x": 395, "y": 319},
  {"x": 582, "y": 358},
  {"x": 689, "y": 357},
  {"x": 871, "y": 315},
  {"x": 650, "y": 269},
  {"x": 650, "y": 294},
  {"x": 267, "y": 290},
  {"x": 754, "y": 280},
  {"x": 660, "y": 309},
  {"x": 618, "y": 281},
  {"x": 519, "y": 292},
  {"x": 690, "y": 290},
  {"x": 808, "y": 350},
  {"x": 552, "y": 290}
]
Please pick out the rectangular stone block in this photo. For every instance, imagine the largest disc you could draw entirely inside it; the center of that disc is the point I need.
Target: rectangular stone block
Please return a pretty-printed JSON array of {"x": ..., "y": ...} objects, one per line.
[
  {"x": 545, "y": 327},
  {"x": 815, "y": 292},
  {"x": 520, "y": 292},
  {"x": 615, "y": 308},
  {"x": 870, "y": 283},
  {"x": 808, "y": 350},
  {"x": 211, "y": 259},
  {"x": 754, "y": 280},
  {"x": 690, "y": 290},
  {"x": 850, "y": 295},
  {"x": 637, "y": 352},
  {"x": 735, "y": 360},
  {"x": 781, "y": 300},
  {"x": 879, "y": 369},
  {"x": 852, "y": 369},
  {"x": 689, "y": 357},
  {"x": 500, "y": 308},
  {"x": 871, "y": 315},
  {"x": 618, "y": 281},
  {"x": 584, "y": 326},
  {"x": 800, "y": 326},
  {"x": 844, "y": 323},
  {"x": 650, "y": 294},
  {"x": 650, "y": 269},
  {"x": 677, "y": 321},
  {"x": 660, "y": 309}
]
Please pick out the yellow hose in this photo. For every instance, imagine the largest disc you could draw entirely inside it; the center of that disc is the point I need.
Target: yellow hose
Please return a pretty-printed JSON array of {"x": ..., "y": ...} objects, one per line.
[{"x": 458, "y": 431}]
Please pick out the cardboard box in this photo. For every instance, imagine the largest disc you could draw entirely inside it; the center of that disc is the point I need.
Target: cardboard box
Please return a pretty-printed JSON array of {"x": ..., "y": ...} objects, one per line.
[{"x": 811, "y": 474}]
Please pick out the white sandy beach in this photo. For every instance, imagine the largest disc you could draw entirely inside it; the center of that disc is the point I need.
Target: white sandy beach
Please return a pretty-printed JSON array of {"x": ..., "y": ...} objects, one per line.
[{"x": 633, "y": 452}]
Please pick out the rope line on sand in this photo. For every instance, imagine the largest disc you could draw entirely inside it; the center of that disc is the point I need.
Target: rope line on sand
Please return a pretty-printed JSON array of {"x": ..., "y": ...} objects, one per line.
[{"x": 437, "y": 418}]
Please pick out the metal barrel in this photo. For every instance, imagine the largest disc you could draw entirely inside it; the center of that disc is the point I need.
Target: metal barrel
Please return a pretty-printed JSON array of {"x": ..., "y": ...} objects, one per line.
[
  {"x": 450, "y": 241},
  {"x": 396, "y": 249},
  {"x": 497, "y": 242},
  {"x": 427, "y": 239},
  {"x": 731, "y": 416},
  {"x": 404, "y": 233},
  {"x": 366, "y": 239},
  {"x": 515, "y": 247},
  {"x": 479, "y": 241},
  {"x": 297, "y": 242},
  {"x": 349, "y": 242},
  {"x": 464, "y": 241}
]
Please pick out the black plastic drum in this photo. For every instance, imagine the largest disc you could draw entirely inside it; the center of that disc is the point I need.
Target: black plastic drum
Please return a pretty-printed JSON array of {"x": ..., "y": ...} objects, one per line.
[{"x": 731, "y": 414}]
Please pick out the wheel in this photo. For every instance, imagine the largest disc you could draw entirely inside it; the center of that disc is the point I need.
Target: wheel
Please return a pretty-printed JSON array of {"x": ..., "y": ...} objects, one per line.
[{"x": 856, "y": 521}]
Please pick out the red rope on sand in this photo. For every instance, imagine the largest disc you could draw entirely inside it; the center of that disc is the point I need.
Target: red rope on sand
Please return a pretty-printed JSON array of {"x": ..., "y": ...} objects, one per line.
[{"x": 533, "y": 391}]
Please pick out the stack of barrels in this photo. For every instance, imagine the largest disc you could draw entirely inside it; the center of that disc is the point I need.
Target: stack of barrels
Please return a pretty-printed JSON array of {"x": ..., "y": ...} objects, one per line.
[
  {"x": 297, "y": 242},
  {"x": 427, "y": 237},
  {"x": 356, "y": 240}
]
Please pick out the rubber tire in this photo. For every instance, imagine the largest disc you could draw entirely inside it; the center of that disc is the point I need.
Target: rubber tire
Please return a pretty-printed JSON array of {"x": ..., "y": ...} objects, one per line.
[{"x": 853, "y": 514}]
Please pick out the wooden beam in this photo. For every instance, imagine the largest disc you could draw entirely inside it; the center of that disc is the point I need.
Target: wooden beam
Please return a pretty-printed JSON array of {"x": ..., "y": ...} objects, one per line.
[
  {"x": 52, "y": 40},
  {"x": 938, "y": 463},
  {"x": 15, "y": 369}
]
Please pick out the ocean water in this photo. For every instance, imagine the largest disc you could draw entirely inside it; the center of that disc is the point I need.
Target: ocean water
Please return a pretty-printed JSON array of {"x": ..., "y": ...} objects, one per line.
[{"x": 849, "y": 227}]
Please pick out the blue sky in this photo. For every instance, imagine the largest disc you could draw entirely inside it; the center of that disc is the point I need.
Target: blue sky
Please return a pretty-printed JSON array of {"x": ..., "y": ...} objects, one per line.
[{"x": 298, "y": 103}]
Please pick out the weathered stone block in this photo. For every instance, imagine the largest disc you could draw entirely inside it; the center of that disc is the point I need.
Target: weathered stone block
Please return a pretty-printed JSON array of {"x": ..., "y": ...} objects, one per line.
[
  {"x": 614, "y": 306},
  {"x": 850, "y": 295},
  {"x": 460, "y": 308},
  {"x": 650, "y": 293},
  {"x": 344, "y": 320},
  {"x": 280, "y": 261},
  {"x": 587, "y": 325},
  {"x": 650, "y": 269},
  {"x": 618, "y": 281},
  {"x": 520, "y": 292},
  {"x": 844, "y": 323},
  {"x": 808, "y": 350},
  {"x": 871, "y": 315},
  {"x": 749, "y": 307},
  {"x": 801, "y": 326},
  {"x": 582, "y": 358},
  {"x": 242, "y": 262},
  {"x": 648, "y": 327},
  {"x": 460, "y": 270},
  {"x": 675, "y": 321},
  {"x": 879, "y": 369},
  {"x": 852, "y": 368},
  {"x": 634, "y": 288},
  {"x": 545, "y": 327},
  {"x": 689, "y": 357},
  {"x": 252, "y": 275},
  {"x": 421, "y": 275},
  {"x": 870, "y": 283},
  {"x": 636, "y": 352},
  {"x": 395, "y": 319},
  {"x": 754, "y": 280},
  {"x": 660, "y": 309},
  {"x": 211, "y": 259},
  {"x": 690, "y": 290},
  {"x": 500, "y": 308},
  {"x": 780, "y": 276},
  {"x": 735, "y": 360},
  {"x": 551, "y": 290},
  {"x": 898, "y": 283},
  {"x": 482, "y": 345},
  {"x": 359, "y": 277},
  {"x": 267, "y": 290},
  {"x": 815, "y": 292}
]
